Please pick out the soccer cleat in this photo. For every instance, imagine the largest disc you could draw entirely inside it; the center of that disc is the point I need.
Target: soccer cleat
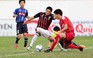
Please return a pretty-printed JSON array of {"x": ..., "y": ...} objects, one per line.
[
  {"x": 25, "y": 48},
  {"x": 81, "y": 48},
  {"x": 15, "y": 45},
  {"x": 48, "y": 50},
  {"x": 28, "y": 48}
]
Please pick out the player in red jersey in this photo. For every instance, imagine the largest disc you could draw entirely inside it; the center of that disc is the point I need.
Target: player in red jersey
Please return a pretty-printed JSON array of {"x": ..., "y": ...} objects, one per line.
[
  {"x": 66, "y": 33},
  {"x": 44, "y": 21}
]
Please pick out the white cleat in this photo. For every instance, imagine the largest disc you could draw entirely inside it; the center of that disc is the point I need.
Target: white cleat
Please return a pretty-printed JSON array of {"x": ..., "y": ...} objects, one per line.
[
  {"x": 63, "y": 49},
  {"x": 28, "y": 48}
]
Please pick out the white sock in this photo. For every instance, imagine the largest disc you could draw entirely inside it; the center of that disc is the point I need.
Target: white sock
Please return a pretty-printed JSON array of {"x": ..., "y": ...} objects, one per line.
[
  {"x": 60, "y": 46},
  {"x": 34, "y": 39}
]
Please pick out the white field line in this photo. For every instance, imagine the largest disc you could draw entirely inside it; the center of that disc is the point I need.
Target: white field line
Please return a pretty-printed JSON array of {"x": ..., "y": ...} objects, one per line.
[{"x": 20, "y": 54}]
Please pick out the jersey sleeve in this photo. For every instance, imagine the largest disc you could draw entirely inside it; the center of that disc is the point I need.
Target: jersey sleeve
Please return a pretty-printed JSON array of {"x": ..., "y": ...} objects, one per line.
[
  {"x": 65, "y": 20},
  {"x": 16, "y": 11},
  {"x": 26, "y": 13},
  {"x": 37, "y": 15}
]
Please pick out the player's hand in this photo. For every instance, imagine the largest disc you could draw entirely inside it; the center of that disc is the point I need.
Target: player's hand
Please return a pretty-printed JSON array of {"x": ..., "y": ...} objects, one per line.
[
  {"x": 28, "y": 17},
  {"x": 15, "y": 15},
  {"x": 59, "y": 32}
]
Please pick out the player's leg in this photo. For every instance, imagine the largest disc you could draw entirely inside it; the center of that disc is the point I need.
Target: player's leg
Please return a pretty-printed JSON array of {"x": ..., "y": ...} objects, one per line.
[
  {"x": 33, "y": 40},
  {"x": 69, "y": 44},
  {"x": 49, "y": 44},
  {"x": 25, "y": 39},
  {"x": 57, "y": 38},
  {"x": 25, "y": 34},
  {"x": 19, "y": 32},
  {"x": 74, "y": 46},
  {"x": 61, "y": 45},
  {"x": 68, "y": 41},
  {"x": 46, "y": 34},
  {"x": 17, "y": 40}
]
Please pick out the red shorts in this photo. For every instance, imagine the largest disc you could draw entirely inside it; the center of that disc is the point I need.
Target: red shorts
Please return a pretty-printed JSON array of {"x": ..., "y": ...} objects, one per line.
[{"x": 69, "y": 36}]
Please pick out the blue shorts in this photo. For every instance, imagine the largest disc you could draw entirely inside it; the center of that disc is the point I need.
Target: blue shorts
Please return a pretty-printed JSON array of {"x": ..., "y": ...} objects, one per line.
[{"x": 21, "y": 28}]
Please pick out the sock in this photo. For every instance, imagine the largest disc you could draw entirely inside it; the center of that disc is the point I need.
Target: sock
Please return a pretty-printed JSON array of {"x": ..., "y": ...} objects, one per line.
[
  {"x": 72, "y": 46},
  {"x": 25, "y": 42},
  {"x": 17, "y": 39},
  {"x": 61, "y": 42},
  {"x": 34, "y": 39},
  {"x": 54, "y": 42},
  {"x": 60, "y": 46}
]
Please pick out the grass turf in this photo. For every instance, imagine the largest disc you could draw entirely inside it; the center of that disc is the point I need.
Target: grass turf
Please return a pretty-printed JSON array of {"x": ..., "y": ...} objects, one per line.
[{"x": 7, "y": 49}]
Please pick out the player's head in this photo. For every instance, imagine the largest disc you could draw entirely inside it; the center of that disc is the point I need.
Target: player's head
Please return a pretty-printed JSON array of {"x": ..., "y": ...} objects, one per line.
[
  {"x": 56, "y": 28},
  {"x": 48, "y": 10},
  {"x": 58, "y": 13},
  {"x": 22, "y": 3}
]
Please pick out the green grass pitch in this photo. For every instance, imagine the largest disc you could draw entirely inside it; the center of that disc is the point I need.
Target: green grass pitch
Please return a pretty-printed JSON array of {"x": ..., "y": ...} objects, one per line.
[{"x": 7, "y": 49}]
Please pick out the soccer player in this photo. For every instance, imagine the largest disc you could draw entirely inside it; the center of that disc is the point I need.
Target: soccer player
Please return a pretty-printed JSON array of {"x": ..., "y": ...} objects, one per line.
[
  {"x": 21, "y": 14},
  {"x": 61, "y": 42},
  {"x": 44, "y": 21},
  {"x": 66, "y": 33},
  {"x": 53, "y": 34}
]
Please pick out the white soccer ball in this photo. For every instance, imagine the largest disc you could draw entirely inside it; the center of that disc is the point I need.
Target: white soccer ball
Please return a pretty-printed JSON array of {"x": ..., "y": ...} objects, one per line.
[{"x": 39, "y": 48}]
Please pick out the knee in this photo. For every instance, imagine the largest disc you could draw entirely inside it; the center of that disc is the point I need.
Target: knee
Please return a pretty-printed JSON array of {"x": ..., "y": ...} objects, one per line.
[
  {"x": 63, "y": 35},
  {"x": 51, "y": 39},
  {"x": 39, "y": 30},
  {"x": 19, "y": 36},
  {"x": 25, "y": 35}
]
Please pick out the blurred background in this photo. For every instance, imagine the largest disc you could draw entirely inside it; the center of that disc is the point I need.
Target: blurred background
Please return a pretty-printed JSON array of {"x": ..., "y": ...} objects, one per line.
[{"x": 80, "y": 13}]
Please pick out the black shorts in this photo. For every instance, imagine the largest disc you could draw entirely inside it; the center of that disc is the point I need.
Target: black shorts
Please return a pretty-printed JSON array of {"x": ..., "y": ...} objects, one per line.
[{"x": 21, "y": 28}]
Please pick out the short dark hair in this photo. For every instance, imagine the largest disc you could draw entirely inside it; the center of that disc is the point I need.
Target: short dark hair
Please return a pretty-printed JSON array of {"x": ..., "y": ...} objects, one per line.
[
  {"x": 56, "y": 28},
  {"x": 50, "y": 8},
  {"x": 21, "y": 0},
  {"x": 58, "y": 11}
]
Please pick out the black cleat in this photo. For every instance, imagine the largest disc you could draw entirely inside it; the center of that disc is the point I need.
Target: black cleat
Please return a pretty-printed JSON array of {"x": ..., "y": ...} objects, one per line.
[
  {"x": 81, "y": 48},
  {"x": 48, "y": 50}
]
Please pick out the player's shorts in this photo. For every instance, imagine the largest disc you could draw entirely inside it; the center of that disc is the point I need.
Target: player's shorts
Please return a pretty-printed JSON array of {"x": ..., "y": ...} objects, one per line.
[
  {"x": 43, "y": 32},
  {"x": 69, "y": 36},
  {"x": 21, "y": 28}
]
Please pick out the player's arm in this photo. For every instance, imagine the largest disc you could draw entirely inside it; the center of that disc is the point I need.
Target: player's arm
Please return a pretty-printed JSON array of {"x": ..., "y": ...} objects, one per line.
[
  {"x": 31, "y": 18},
  {"x": 28, "y": 17},
  {"x": 15, "y": 13},
  {"x": 64, "y": 29},
  {"x": 35, "y": 16}
]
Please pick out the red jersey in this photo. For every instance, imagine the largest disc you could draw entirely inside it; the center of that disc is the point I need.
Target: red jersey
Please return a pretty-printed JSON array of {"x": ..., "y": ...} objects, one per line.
[{"x": 64, "y": 21}]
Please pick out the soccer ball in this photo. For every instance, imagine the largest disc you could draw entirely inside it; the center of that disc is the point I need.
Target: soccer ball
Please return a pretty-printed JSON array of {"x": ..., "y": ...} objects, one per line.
[{"x": 39, "y": 48}]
